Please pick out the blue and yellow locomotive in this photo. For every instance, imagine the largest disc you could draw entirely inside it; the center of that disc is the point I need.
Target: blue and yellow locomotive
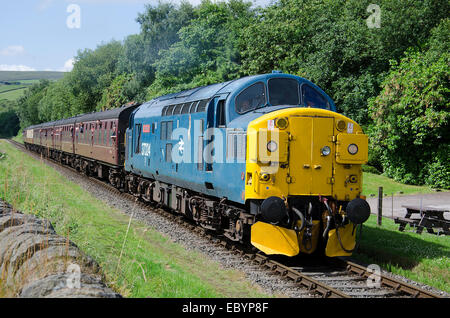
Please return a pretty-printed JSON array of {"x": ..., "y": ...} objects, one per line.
[{"x": 265, "y": 159}]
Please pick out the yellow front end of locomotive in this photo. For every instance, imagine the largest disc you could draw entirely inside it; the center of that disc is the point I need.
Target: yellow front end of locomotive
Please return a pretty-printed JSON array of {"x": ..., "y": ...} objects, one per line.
[{"x": 303, "y": 152}]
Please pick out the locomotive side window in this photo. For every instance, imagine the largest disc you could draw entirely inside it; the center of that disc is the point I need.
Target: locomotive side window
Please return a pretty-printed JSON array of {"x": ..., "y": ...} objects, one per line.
[
  {"x": 166, "y": 130},
  {"x": 138, "y": 129},
  {"x": 221, "y": 122},
  {"x": 312, "y": 98},
  {"x": 202, "y": 106},
  {"x": 251, "y": 98},
  {"x": 168, "y": 152},
  {"x": 283, "y": 91},
  {"x": 186, "y": 108}
]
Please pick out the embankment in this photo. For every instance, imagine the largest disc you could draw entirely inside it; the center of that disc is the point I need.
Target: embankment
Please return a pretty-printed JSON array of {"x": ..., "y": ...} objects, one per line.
[{"x": 36, "y": 262}]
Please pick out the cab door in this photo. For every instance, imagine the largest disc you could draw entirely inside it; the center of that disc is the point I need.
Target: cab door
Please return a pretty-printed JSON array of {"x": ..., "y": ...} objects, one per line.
[
  {"x": 311, "y": 172},
  {"x": 216, "y": 119}
]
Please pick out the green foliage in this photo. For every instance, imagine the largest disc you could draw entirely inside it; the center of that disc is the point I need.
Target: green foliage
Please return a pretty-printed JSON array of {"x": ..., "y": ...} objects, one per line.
[
  {"x": 207, "y": 51},
  {"x": 27, "y": 105},
  {"x": 93, "y": 72},
  {"x": 330, "y": 43},
  {"x": 412, "y": 113},
  {"x": 117, "y": 93},
  {"x": 9, "y": 122}
]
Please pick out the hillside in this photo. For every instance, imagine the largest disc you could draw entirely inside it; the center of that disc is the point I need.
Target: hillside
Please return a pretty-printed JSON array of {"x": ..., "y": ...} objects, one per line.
[
  {"x": 9, "y": 76},
  {"x": 13, "y": 84}
]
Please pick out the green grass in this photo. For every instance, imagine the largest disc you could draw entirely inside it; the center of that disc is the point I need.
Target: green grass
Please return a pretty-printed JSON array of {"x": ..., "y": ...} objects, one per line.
[
  {"x": 137, "y": 262},
  {"x": 13, "y": 95},
  {"x": 371, "y": 182},
  {"x": 422, "y": 257},
  {"x": 6, "y": 88}
]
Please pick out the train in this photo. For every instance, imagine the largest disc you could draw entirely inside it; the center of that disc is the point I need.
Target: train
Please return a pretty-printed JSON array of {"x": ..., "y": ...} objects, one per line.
[{"x": 264, "y": 160}]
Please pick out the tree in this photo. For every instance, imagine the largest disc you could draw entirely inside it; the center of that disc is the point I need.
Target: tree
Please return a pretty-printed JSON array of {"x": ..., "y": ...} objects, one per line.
[
  {"x": 93, "y": 72},
  {"x": 207, "y": 51},
  {"x": 9, "y": 122},
  {"x": 412, "y": 115},
  {"x": 330, "y": 43}
]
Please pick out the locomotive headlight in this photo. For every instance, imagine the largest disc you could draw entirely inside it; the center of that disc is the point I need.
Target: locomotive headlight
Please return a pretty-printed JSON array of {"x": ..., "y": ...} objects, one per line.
[
  {"x": 282, "y": 123},
  {"x": 272, "y": 146},
  {"x": 352, "y": 149},
  {"x": 325, "y": 151},
  {"x": 341, "y": 125}
]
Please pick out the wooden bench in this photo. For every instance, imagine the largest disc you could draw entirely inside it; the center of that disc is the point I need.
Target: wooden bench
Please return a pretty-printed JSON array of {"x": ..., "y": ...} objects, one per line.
[{"x": 429, "y": 218}]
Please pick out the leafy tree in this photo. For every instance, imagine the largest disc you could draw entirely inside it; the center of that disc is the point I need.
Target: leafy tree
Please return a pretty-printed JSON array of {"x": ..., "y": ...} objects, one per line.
[
  {"x": 207, "y": 51},
  {"x": 330, "y": 43},
  {"x": 412, "y": 115},
  {"x": 116, "y": 94},
  {"x": 159, "y": 30},
  {"x": 57, "y": 102},
  {"x": 9, "y": 122},
  {"x": 27, "y": 105},
  {"x": 93, "y": 72}
]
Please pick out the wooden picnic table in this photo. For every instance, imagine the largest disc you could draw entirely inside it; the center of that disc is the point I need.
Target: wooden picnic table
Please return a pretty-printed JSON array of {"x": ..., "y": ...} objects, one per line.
[{"x": 428, "y": 217}]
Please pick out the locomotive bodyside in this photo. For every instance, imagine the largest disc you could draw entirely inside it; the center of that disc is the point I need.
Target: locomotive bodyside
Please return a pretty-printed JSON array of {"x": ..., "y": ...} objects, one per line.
[{"x": 213, "y": 163}]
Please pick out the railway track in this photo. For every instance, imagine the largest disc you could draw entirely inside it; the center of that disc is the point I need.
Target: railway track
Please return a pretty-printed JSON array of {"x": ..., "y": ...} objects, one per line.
[{"x": 325, "y": 278}]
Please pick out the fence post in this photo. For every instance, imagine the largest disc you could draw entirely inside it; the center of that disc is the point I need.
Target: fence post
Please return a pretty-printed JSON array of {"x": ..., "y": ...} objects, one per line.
[{"x": 380, "y": 205}]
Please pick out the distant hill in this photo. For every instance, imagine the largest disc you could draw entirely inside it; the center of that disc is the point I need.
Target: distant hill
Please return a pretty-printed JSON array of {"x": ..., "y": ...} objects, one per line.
[
  {"x": 13, "y": 84},
  {"x": 36, "y": 75}
]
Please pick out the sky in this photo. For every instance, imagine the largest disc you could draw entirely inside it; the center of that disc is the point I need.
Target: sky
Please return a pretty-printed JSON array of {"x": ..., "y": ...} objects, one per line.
[{"x": 45, "y": 35}]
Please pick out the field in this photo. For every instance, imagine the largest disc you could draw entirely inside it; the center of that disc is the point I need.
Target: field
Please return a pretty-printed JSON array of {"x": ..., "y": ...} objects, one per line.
[
  {"x": 137, "y": 260},
  {"x": 20, "y": 81},
  {"x": 11, "y": 76}
]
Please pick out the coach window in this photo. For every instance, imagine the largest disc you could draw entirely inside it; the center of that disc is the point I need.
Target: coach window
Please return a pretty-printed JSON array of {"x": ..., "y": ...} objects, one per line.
[
  {"x": 283, "y": 91},
  {"x": 312, "y": 98},
  {"x": 251, "y": 98},
  {"x": 105, "y": 134}
]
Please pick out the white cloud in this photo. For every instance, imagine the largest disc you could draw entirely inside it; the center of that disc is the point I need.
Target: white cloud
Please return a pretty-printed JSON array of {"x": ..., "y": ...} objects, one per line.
[
  {"x": 12, "y": 50},
  {"x": 5, "y": 67},
  {"x": 68, "y": 66}
]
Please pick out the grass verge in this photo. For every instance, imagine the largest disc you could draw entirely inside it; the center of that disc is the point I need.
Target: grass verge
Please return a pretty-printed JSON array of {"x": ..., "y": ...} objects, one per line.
[
  {"x": 372, "y": 181},
  {"x": 137, "y": 260},
  {"x": 424, "y": 258}
]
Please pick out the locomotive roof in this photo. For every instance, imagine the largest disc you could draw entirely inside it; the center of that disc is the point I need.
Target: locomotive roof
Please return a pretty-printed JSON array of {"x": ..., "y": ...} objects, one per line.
[
  {"x": 199, "y": 93},
  {"x": 154, "y": 107}
]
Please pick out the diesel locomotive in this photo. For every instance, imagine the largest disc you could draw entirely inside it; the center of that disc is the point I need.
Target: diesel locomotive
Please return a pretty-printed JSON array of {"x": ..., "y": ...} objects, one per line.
[{"x": 264, "y": 159}]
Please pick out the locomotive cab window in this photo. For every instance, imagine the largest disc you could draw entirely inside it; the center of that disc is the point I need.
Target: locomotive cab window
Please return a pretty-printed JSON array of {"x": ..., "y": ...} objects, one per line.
[
  {"x": 312, "y": 98},
  {"x": 138, "y": 129},
  {"x": 283, "y": 91},
  {"x": 251, "y": 98}
]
